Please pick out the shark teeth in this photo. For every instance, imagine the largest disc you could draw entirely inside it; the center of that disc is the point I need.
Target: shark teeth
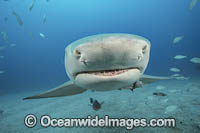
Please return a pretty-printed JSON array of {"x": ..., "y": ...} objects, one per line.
[{"x": 107, "y": 72}]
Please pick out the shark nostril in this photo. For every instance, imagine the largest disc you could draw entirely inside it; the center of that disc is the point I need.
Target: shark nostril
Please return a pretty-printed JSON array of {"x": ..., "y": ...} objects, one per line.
[
  {"x": 144, "y": 49},
  {"x": 84, "y": 61},
  {"x": 139, "y": 57}
]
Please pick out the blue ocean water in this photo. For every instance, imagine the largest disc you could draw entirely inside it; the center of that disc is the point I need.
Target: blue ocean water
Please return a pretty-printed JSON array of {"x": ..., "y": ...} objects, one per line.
[{"x": 38, "y": 63}]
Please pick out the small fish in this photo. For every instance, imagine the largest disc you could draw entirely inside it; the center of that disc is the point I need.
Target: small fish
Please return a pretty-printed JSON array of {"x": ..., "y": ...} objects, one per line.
[
  {"x": 44, "y": 19},
  {"x": 177, "y": 39},
  {"x": 32, "y": 5},
  {"x": 175, "y": 75},
  {"x": 95, "y": 104},
  {"x": 174, "y": 69},
  {"x": 47, "y": 0},
  {"x": 5, "y": 38},
  {"x": 12, "y": 45},
  {"x": 192, "y": 4},
  {"x": 1, "y": 72},
  {"x": 182, "y": 78},
  {"x": 179, "y": 57},
  {"x": 195, "y": 60},
  {"x": 19, "y": 20},
  {"x": 1, "y": 56},
  {"x": 159, "y": 94},
  {"x": 42, "y": 35}
]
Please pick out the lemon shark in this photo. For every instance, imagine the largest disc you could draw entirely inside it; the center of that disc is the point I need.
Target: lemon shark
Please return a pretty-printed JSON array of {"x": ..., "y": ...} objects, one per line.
[{"x": 104, "y": 62}]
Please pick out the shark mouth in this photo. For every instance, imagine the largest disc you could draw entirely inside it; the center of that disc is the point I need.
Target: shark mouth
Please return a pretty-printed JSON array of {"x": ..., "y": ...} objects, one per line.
[{"x": 113, "y": 72}]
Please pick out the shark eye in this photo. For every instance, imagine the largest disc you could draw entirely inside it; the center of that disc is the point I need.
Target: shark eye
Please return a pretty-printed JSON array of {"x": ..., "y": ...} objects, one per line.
[
  {"x": 77, "y": 53},
  {"x": 144, "y": 49}
]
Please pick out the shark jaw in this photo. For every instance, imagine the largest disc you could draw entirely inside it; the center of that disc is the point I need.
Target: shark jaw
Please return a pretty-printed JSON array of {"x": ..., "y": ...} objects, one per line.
[
  {"x": 104, "y": 80},
  {"x": 108, "y": 73}
]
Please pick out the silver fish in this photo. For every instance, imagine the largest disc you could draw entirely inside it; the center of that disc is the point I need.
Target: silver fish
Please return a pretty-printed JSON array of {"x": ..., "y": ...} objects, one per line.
[
  {"x": 192, "y": 4},
  {"x": 32, "y": 5},
  {"x": 19, "y": 20},
  {"x": 44, "y": 19}
]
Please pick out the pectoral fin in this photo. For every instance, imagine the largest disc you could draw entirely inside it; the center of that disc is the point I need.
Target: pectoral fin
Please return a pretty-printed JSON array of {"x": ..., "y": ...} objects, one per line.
[
  {"x": 147, "y": 79},
  {"x": 66, "y": 89}
]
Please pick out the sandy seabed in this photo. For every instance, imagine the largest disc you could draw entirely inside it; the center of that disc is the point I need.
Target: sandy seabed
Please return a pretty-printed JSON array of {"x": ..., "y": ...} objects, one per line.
[{"x": 182, "y": 102}]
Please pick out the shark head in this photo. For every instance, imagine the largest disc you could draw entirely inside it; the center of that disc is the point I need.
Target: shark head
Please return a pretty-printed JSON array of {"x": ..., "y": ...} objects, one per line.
[{"x": 107, "y": 61}]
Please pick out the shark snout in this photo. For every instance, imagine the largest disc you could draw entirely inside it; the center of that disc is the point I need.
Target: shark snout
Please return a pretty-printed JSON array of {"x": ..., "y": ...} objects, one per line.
[
  {"x": 109, "y": 54},
  {"x": 100, "y": 59}
]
